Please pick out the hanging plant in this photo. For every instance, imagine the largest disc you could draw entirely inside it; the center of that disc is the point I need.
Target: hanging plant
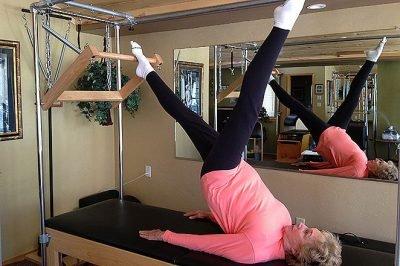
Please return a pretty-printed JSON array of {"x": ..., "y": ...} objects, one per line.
[{"x": 95, "y": 79}]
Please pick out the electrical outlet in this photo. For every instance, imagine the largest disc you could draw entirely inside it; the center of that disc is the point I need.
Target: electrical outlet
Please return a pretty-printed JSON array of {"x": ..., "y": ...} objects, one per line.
[
  {"x": 148, "y": 171},
  {"x": 300, "y": 220}
]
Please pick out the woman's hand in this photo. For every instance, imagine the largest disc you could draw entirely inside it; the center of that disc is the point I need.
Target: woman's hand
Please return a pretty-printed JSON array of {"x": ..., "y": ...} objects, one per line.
[
  {"x": 155, "y": 235},
  {"x": 198, "y": 215}
]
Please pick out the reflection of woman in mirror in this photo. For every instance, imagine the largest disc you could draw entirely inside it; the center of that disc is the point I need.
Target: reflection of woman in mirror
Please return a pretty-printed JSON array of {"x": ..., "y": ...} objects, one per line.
[
  {"x": 257, "y": 227},
  {"x": 343, "y": 156}
]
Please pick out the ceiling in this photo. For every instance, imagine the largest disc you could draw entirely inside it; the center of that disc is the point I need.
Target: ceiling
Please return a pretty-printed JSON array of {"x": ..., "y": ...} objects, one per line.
[{"x": 155, "y": 16}]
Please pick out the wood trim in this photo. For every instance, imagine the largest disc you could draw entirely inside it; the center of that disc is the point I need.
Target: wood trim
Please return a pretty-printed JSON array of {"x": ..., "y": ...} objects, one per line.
[
  {"x": 90, "y": 96},
  {"x": 129, "y": 87},
  {"x": 68, "y": 77},
  {"x": 93, "y": 252},
  {"x": 232, "y": 87}
]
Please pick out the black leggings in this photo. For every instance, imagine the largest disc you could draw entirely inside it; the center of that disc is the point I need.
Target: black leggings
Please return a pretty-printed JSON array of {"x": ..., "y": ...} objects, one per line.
[
  {"x": 224, "y": 151},
  {"x": 343, "y": 114}
]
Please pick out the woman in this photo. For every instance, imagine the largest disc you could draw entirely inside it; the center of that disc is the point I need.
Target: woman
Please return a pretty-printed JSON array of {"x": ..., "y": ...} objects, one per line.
[
  {"x": 257, "y": 227},
  {"x": 343, "y": 156}
]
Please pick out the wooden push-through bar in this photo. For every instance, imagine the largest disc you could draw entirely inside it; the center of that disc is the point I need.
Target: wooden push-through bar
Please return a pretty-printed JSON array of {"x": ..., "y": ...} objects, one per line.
[{"x": 67, "y": 79}]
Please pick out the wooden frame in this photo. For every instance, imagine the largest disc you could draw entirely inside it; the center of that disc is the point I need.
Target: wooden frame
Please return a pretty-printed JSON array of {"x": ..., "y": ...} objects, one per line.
[
  {"x": 92, "y": 252},
  {"x": 13, "y": 80},
  {"x": 67, "y": 79}
]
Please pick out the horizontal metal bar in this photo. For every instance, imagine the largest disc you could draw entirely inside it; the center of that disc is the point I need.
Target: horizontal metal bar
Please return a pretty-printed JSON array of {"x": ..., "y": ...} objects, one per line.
[
  {"x": 206, "y": 10},
  {"x": 62, "y": 39},
  {"x": 130, "y": 19},
  {"x": 47, "y": 3},
  {"x": 72, "y": 14},
  {"x": 24, "y": 10}
]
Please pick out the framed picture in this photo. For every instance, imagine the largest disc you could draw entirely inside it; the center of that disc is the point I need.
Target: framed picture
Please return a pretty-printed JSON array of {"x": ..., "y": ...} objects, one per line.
[
  {"x": 319, "y": 89},
  {"x": 189, "y": 85},
  {"x": 10, "y": 91}
]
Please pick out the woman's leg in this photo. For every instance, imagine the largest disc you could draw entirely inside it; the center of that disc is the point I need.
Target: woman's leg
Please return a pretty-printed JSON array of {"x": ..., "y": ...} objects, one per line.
[
  {"x": 310, "y": 120},
  {"x": 343, "y": 114},
  {"x": 227, "y": 151},
  {"x": 202, "y": 135}
]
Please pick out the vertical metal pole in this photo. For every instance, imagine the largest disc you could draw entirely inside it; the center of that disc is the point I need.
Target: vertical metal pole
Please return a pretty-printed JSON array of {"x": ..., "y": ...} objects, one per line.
[
  {"x": 43, "y": 238},
  {"x": 397, "y": 257},
  {"x": 120, "y": 125},
  {"x": 215, "y": 88},
  {"x": 366, "y": 111},
  {"x": 375, "y": 110},
  {"x": 246, "y": 65}
]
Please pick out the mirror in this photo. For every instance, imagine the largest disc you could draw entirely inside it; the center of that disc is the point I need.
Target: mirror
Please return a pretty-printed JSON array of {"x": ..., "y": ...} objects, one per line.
[
  {"x": 317, "y": 71},
  {"x": 191, "y": 70}
]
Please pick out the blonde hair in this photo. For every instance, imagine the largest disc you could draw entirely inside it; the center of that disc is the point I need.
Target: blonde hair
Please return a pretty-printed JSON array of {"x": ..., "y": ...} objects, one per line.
[
  {"x": 327, "y": 252},
  {"x": 386, "y": 171}
]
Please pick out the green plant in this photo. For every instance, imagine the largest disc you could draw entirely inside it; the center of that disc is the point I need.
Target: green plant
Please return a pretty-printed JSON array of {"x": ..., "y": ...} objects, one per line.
[
  {"x": 263, "y": 115},
  {"x": 95, "y": 79}
]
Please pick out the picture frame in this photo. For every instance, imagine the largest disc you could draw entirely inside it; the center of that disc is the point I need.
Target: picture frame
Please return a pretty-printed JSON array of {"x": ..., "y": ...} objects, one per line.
[
  {"x": 189, "y": 85},
  {"x": 319, "y": 89},
  {"x": 10, "y": 91}
]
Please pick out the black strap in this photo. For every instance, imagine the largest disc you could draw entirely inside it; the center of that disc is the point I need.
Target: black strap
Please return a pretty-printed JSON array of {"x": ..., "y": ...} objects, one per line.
[{"x": 79, "y": 35}]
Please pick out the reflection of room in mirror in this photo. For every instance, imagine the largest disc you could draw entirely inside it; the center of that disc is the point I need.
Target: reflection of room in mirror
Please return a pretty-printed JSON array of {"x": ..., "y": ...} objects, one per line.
[
  {"x": 5, "y": 120},
  {"x": 189, "y": 88},
  {"x": 318, "y": 73}
]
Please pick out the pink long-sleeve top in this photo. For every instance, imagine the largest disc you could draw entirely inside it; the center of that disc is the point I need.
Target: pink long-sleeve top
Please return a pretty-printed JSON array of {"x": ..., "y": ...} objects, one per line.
[
  {"x": 343, "y": 156},
  {"x": 250, "y": 216}
]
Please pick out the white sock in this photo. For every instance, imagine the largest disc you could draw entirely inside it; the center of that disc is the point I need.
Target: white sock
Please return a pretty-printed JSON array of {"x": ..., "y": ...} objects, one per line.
[
  {"x": 144, "y": 67},
  {"x": 271, "y": 78},
  {"x": 286, "y": 15},
  {"x": 373, "y": 55}
]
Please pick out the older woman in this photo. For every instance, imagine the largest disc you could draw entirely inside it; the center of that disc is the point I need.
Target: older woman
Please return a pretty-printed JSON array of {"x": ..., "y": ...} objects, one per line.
[
  {"x": 343, "y": 156},
  {"x": 257, "y": 227}
]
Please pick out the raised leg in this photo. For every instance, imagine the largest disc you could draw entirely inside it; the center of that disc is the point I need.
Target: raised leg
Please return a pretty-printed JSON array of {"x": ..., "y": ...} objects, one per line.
[
  {"x": 343, "y": 114},
  {"x": 226, "y": 153}
]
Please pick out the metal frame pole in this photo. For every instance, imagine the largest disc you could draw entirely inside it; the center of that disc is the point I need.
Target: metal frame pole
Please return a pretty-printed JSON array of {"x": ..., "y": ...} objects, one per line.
[
  {"x": 43, "y": 238},
  {"x": 215, "y": 88},
  {"x": 62, "y": 39},
  {"x": 76, "y": 15},
  {"x": 120, "y": 123},
  {"x": 48, "y": 3},
  {"x": 126, "y": 16},
  {"x": 397, "y": 256}
]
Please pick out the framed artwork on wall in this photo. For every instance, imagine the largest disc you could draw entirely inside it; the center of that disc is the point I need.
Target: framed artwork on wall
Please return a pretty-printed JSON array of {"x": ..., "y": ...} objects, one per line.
[
  {"x": 189, "y": 85},
  {"x": 10, "y": 91}
]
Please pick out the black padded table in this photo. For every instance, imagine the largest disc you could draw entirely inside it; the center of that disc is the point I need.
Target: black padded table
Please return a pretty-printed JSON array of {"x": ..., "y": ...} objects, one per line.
[{"x": 117, "y": 223}]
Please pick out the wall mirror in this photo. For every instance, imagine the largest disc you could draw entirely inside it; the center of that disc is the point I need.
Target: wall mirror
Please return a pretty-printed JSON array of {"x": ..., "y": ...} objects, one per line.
[{"x": 315, "y": 70}]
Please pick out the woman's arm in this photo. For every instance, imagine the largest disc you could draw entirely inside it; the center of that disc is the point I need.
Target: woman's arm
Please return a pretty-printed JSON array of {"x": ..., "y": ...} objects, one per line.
[
  {"x": 319, "y": 165},
  {"x": 236, "y": 247},
  {"x": 346, "y": 171}
]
